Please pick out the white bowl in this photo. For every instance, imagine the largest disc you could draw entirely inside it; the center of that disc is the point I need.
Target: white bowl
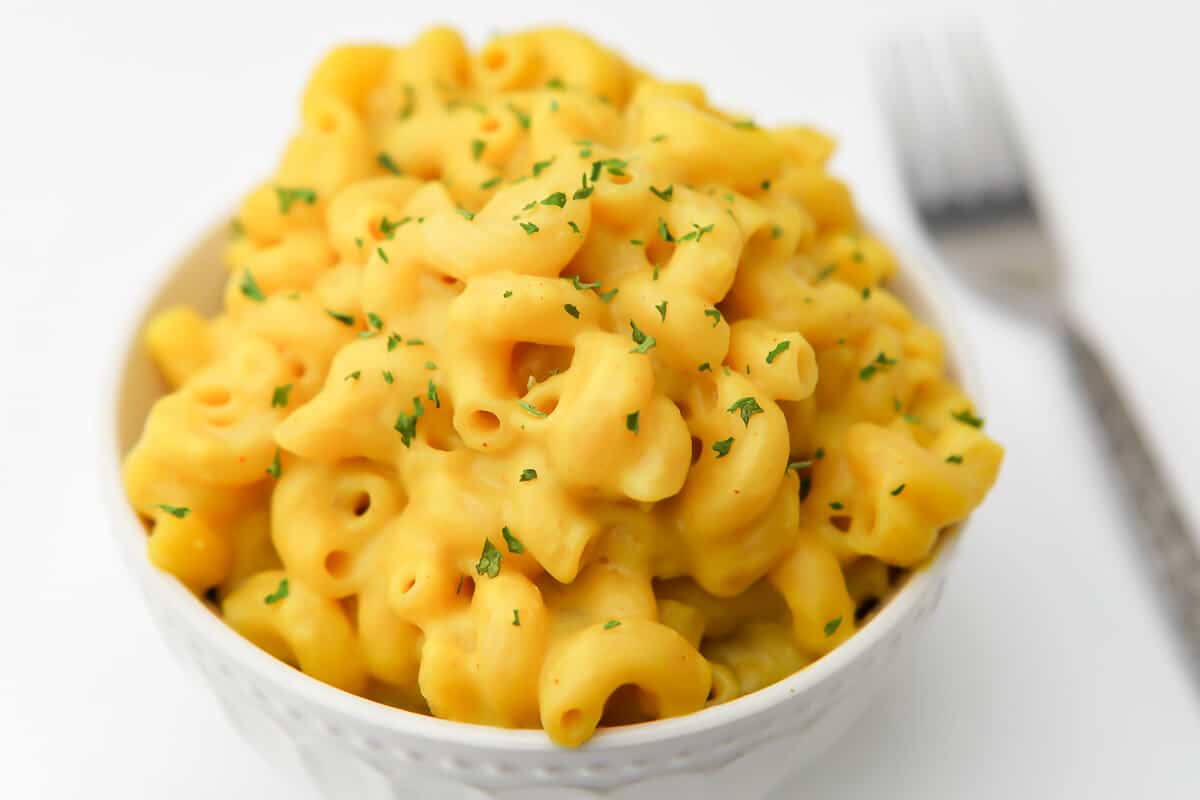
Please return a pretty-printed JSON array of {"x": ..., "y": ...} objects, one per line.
[{"x": 354, "y": 748}]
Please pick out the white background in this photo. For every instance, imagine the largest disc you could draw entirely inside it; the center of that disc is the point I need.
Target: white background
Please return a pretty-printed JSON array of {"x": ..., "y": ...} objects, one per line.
[{"x": 126, "y": 127}]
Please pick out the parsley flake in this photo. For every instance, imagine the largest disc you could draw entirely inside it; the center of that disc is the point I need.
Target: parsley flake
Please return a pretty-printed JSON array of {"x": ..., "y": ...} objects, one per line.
[
  {"x": 715, "y": 314},
  {"x": 664, "y": 194},
  {"x": 778, "y": 350},
  {"x": 836, "y": 505},
  {"x": 745, "y": 124},
  {"x": 276, "y": 468},
  {"x": 387, "y": 163},
  {"x": 826, "y": 271},
  {"x": 249, "y": 287},
  {"x": 832, "y": 626},
  {"x": 388, "y": 378},
  {"x": 287, "y": 197},
  {"x": 571, "y": 224},
  {"x": 406, "y": 423},
  {"x": 659, "y": 138},
  {"x": 516, "y": 618},
  {"x": 382, "y": 255},
  {"x": 538, "y": 166},
  {"x": 612, "y": 623},
  {"x": 706, "y": 367},
  {"x": 491, "y": 183},
  {"x": 556, "y": 199},
  {"x": 514, "y": 544},
  {"x": 663, "y": 231},
  {"x": 532, "y": 409},
  {"x": 280, "y": 593},
  {"x": 572, "y": 310},
  {"x": 609, "y": 295},
  {"x": 747, "y": 407},
  {"x": 353, "y": 376},
  {"x": 967, "y": 418},
  {"x": 584, "y": 191},
  {"x": 432, "y": 394},
  {"x": 776, "y": 231},
  {"x": 179, "y": 512},
  {"x": 631, "y": 422},
  {"x": 468, "y": 215},
  {"x": 477, "y": 146},
  {"x": 374, "y": 321},
  {"x": 345, "y": 319},
  {"x": 529, "y": 228},
  {"x": 583, "y": 285},
  {"x": 896, "y": 492},
  {"x": 489, "y": 560},
  {"x": 521, "y": 116},
  {"x": 507, "y": 293},
  {"x": 662, "y": 310},
  {"x": 954, "y": 459},
  {"x": 279, "y": 399},
  {"x": 722, "y": 447},
  {"x": 393, "y": 340},
  {"x": 643, "y": 342},
  {"x": 528, "y": 474},
  {"x": 881, "y": 363}
]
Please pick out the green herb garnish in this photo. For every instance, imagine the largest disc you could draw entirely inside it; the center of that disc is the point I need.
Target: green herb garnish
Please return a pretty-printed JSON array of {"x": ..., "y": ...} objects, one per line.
[
  {"x": 664, "y": 194},
  {"x": 778, "y": 350},
  {"x": 280, "y": 593},
  {"x": 287, "y": 197},
  {"x": 387, "y": 163},
  {"x": 249, "y": 287},
  {"x": 747, "y": 407},
  {"x": 489, "y": 560},
  {"x": 179, "y": 512},
  {"x": 528, "y": 474},
  {"x": 722, "y": 447},
  {"x": 642, "y": 341},
  {"x": 631, "y": 422},
  {"x": 279, "y": 399}
]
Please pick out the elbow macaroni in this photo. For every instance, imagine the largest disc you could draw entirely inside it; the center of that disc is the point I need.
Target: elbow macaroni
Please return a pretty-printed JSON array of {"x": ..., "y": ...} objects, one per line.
[{"x": 546, "y": 394}]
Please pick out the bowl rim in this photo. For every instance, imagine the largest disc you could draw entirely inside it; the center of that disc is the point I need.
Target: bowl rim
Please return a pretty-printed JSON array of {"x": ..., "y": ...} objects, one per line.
[{"x": 924, "y": 283}]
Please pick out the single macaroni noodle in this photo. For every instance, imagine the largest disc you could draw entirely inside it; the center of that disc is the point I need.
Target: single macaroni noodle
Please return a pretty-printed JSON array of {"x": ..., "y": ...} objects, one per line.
[{"x": 547, "y": 395}]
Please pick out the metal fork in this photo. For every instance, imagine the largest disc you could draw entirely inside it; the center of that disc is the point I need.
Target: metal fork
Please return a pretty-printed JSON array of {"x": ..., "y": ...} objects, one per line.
[{"x": 962, "y": 165}]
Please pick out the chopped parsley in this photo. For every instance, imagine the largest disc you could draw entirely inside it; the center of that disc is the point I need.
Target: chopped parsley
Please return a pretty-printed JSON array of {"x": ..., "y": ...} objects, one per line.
[
  {"x": 280, "y": 593},
  {"x": 374, "y": 321},
  {"x": 388, "y": 378},
  {"x": 715, "y": 314},
  {"x": 353, "y": 376},
  {"x": 489, "y": 560},
  {"x": 406, "y": 423},
  {"x": 967, "y": 418},
  {"x": 631, "y": 422},
  {"x": 468, "y": 215},
  {"x": 747, "y": 407},
  {"x": 583, "y": 285},
  {"x": 528, "y": 474},
  {"x": 776, "y": 231},
  {"x": 660, "y": 137},
  {"x": 538, "y": 166},
  {"x": 529, "y": 228},
  {"x": 766, "y": 186},
  {"x": 696, "y": 234},
  {"x": 430, "y": 365},
  {"x": 832, "y": 626},
  {"x": 514, "y": 544},
  {"x": 555, "y": 83},
  {"x": 432, "y": 394},
  {"x": 287, "y": 197},
  {"x": 836, "y": 505},
  {"x": 881, "y": 362},
  {"x": 663, "y": 231},
  {"x": 636, "y": 242},
  {"x": 956, "y": 458},
  {"x": 612, "y": 623},
  {"x": 745, "y": 124},
  {"x": 531, "y": 408},
  {"x": 609, "y": 295},
  {"x": 705, "y": 367},
  {"x": 662, "y": 310},
  {"x": 276, "y": 468},
  {"x": 572, "y": 310},
  {"x": 521, "y": 116},
  {"x": 799, "y": 465},
  {"x": 279, "y": 399},
  {"x": 722, "y": 447},
  {"x": 805, "y": 487},
  {"x": 507, "y": 293},
  {"x": 477, "y": 146},
  {"x": 643, "y": 342},
  {"x": 584, "y": 191},
  {"x": 249, "y": 287},
  {"x": 382, "y": 255},
  {"x": 491, "y": 183},
  {"x": 516, "y": 618},
  {"x": 393, "y": 340},
  {"x": 555, "y": 199},
  {"x": 778, "y": 350},
  {"x": 866, "y": 293},
  {"x": 664, "y": 194},
  {"x": 571, "y": 224},
  {"x": 896, "y": 492},
  {"x": 826, "y": 271},
  {"x": 345, "y": 319},
  {"x": 179, "y": 512},
  {"x": 387, "y": 163},
  {"x": 413, "y": 341}
]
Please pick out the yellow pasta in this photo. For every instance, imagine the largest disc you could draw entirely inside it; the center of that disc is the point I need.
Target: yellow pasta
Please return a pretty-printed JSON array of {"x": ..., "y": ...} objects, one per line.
[{"x": 546, "y": 394}]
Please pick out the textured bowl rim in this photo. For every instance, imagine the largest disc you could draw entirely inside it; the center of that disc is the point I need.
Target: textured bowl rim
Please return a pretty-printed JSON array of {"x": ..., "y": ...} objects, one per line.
[{"x": 923, "y": 285}]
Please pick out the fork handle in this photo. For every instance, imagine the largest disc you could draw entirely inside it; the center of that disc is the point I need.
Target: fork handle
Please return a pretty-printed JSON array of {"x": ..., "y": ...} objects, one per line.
[{"x": 1162, "y": 531}]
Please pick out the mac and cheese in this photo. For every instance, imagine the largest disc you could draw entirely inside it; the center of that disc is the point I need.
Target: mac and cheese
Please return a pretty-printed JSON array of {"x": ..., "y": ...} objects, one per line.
[{"x": 546, "y": 394}]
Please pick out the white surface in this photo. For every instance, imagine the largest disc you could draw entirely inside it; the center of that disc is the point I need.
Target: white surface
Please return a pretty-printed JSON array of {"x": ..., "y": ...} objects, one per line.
[{"x": 1049, "y": 672}]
